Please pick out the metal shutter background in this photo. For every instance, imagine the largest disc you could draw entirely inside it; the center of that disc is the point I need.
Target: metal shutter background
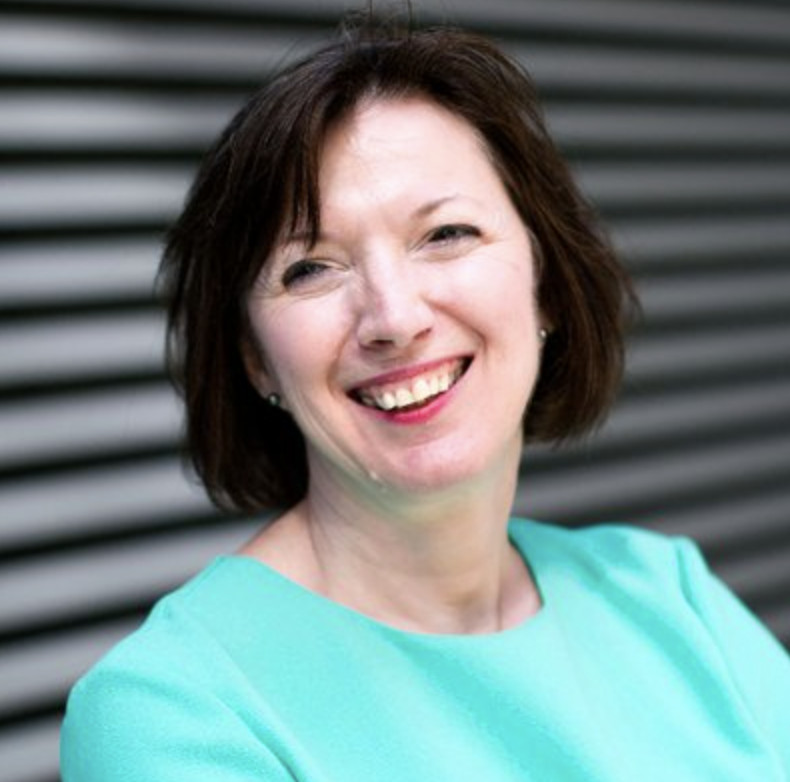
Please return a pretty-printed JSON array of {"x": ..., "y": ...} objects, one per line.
[{"x": 677, "y": 117}]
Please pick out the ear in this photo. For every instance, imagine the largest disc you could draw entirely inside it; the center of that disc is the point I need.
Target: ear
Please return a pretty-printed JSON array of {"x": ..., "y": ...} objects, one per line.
[{"x": 255, "y": 367}]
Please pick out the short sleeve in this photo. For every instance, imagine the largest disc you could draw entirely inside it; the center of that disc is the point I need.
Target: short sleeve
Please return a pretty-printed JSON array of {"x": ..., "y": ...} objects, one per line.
[
  {"x": 758, "y": 663},
  {"x": 162, "y": 719}
]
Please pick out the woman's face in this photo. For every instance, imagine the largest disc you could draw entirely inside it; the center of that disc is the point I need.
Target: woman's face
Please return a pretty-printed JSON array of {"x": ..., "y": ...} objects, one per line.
[{"x": 405, "y": 342}]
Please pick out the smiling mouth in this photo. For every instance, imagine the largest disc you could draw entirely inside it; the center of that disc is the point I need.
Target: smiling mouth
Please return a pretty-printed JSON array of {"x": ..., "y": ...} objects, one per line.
[{"x": 414, "y": 392}]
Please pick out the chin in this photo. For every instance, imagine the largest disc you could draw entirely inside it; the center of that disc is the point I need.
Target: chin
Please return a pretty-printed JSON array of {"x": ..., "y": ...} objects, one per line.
[{"x": 425, "y": 476}]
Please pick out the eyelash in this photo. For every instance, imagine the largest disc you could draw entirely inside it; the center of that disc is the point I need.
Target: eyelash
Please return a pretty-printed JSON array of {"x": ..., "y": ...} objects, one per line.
[
  {"x": 457, "y": 233},
  {"x": 300, "y": 271}
]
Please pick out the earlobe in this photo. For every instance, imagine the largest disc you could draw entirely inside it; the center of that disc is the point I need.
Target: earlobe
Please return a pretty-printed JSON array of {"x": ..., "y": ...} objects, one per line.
[
  {"x": 545, "y": 326},
  {"x": 258, "y": 375}
]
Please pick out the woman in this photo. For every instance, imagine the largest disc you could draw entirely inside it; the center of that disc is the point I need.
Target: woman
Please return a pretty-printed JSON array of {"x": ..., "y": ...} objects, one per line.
[{"x": 383, "y": 281}]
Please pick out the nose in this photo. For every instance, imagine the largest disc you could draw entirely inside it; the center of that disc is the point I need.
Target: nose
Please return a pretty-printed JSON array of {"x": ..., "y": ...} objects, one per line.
[{"x": 394, "y": 309}]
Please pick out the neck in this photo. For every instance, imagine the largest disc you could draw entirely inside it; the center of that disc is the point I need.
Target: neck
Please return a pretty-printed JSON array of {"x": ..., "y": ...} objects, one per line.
[{"x": 439, "y": 564}]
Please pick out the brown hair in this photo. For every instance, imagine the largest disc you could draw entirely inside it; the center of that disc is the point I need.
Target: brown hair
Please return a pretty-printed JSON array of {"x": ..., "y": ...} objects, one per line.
[{"x": 262, "y": 174}]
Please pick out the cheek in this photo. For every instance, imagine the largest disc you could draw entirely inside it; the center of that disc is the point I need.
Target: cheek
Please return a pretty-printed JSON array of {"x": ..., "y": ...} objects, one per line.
[
  {"x": 500, "y": 290},
  {"x": 300, "y": 341},
  {"x": 517, "y": 294},
  {"x": 506, "y": 263}
]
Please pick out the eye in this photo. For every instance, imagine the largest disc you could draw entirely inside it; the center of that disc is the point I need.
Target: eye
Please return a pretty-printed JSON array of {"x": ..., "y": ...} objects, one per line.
[
  {"x": 301, "y": 271},
  {"x": 446, "y": 234}
]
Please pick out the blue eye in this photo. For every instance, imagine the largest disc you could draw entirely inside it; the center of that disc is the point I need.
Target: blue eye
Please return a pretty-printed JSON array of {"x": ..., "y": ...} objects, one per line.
[
  {"x": 452, "y": 233},
  {"x": 301, "y": 270}
]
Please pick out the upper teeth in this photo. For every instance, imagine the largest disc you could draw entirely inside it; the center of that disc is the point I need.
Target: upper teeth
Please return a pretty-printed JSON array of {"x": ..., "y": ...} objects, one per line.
[{"x": 413, "y": 391}]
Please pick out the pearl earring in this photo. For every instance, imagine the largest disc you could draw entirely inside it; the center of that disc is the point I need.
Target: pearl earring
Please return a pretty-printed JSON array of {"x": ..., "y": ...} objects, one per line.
[
  {"x": 274, "y": 399},
  {"x": 543, "y": 335}
]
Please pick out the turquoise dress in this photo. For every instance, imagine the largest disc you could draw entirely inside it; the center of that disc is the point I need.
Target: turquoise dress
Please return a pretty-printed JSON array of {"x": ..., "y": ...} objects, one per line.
[{"x": 640, "y": 665}]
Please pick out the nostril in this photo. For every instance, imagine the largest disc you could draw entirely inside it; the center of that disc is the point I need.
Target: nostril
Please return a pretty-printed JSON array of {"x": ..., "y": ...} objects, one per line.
[{"x": 388, "y": 327}]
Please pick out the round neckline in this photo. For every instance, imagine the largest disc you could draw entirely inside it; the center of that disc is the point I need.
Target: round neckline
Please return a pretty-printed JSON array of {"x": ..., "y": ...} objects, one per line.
[{"x": 330, "y": 606}]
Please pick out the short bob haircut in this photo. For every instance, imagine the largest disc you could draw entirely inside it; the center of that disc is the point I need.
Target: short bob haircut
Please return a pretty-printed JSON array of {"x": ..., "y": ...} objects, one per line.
[{"x": 261, "y": 177}]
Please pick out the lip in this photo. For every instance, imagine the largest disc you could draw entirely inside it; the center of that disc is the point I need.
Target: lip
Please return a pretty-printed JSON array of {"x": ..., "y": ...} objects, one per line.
[
  {"x": 420, "y": 414},
  {"x": 406, "y": 373}
]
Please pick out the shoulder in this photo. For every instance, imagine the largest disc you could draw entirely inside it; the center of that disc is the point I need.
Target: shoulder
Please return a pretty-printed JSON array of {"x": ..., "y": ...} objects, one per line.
[
  {"x": 659, "y": 588},
  {"x": 661, "y": 574},
  {"x": 134, "y": 680},
  {"x": 175, "y": 641},
  {"x": 165, "y": 696},
  {"x": 169, "y": 631},
  {"x": 608, "y": 552},
  {"x": 661, "y": 577}
]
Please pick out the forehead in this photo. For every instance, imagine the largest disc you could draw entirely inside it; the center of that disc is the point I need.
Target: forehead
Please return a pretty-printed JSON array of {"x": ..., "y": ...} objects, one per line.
[
  {"x": 393, "y": 116},
  {"x": 377, "y": 122},
  {"x": 390, "y": 143}
]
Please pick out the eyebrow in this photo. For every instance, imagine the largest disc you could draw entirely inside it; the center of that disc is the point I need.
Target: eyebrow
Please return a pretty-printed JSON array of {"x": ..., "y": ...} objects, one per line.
[
  {"x": 432, "y": 206},
  {"x": 304, "y": 236}
]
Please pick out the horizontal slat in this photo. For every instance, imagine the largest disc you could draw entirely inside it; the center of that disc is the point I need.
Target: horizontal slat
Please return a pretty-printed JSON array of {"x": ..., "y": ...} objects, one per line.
[
  {"x": 648, "y": 19},
  {"x": 81, "y": 121},
  {"x": 619, "y": 128},
  {"x": 729, "y": 522},
  {"x": 680, "y": 415},
  {"x": 735, "y": 350},
  {"x": 759, "y": 574},
  {"x": 649, "y": 481},
  {"x": 39, "y": 671},
  {"x": 66, "y": 195},
  {"x": 710, "y": 240},
  {"x": 70, "y": 348},
  {"x": 754, "y": 23},
  {"x": 29, "y": 752},
  {"x": 104, "y": 580},
  {"x": 99, "y": 500},
  {"x": 640, "y": 423},
  {"x": 686, "y": 186},
  {"x": 79, "y": 425},
  {"x": 64, "y": 47},
  {"x": 689, "y": 74},
  {"x": 728, "y": 294},
  {"x": 41, "y": 273}
]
